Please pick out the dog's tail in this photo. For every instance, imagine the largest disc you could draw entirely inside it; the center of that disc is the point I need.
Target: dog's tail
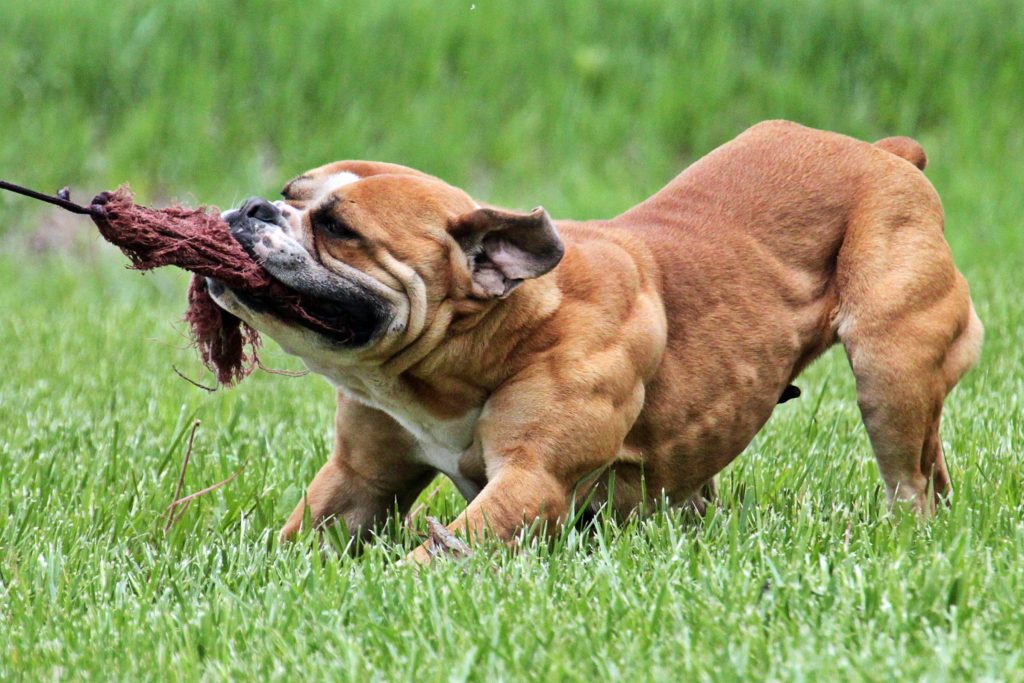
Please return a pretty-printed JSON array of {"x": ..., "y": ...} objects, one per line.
[{"x": 907, "y": 148}]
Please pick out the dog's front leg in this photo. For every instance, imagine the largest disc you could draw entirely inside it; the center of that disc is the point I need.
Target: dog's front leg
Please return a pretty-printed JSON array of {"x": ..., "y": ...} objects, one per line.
[
  {"x": 537, "y": 447},
  {"x": 518, "y": 497},
  {"x": 371, "y": 472}
]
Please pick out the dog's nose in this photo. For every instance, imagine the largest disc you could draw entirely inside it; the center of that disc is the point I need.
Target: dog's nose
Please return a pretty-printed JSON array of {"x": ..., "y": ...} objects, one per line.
[{"x": 260, "y": 209}]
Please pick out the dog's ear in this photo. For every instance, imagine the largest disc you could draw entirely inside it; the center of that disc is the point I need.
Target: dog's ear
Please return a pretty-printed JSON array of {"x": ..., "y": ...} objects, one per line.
[{"x": 504, "y": 248}]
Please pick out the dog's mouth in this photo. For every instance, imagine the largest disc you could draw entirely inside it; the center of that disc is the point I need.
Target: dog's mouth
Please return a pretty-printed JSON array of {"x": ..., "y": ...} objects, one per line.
[
  {"x": 341, "y": 325},
  {"x": 343, "y": 309}
]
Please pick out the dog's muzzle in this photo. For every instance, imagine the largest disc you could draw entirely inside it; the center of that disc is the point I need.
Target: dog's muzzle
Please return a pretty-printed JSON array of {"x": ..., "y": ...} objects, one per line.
[
  {"x": 248, "y": 222},
  {"x": 261, "y": 229},
  {"x": 347, "y": 300}
]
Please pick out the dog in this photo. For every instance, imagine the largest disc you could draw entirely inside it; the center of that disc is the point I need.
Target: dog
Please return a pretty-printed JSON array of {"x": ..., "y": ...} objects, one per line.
[{"x": 532, "y": 360}]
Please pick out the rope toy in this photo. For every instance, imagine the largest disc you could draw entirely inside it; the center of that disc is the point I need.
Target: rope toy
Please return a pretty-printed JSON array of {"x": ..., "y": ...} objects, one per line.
[{"x": 197, "y": 240}]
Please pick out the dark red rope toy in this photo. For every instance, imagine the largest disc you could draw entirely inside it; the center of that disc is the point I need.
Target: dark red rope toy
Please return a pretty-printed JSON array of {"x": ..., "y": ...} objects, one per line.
[{"x": 198, "y": 241}]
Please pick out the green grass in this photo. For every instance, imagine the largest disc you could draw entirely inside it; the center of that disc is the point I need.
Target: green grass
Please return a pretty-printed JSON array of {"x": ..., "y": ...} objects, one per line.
[
  {"x": 799, "y": 574},
  {"x": 579, "y": 109}
]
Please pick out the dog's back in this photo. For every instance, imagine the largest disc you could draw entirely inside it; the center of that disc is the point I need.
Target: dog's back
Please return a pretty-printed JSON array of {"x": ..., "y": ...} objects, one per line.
[{"x": 772, "y": 248}]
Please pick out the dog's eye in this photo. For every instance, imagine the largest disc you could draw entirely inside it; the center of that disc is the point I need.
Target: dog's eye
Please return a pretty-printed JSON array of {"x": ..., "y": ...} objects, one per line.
[{"x": 335, "y": 228}]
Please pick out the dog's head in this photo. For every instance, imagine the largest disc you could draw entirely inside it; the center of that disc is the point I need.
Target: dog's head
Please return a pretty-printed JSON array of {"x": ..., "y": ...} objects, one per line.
[{"x": 382, "y": 248}]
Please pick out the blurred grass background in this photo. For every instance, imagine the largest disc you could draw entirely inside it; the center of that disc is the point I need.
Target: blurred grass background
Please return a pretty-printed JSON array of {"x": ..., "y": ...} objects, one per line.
[{"x": 584, "y": 108}]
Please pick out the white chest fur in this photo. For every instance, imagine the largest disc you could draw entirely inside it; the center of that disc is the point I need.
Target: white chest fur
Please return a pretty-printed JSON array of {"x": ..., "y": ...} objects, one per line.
[{"x": 441, "y": 442}]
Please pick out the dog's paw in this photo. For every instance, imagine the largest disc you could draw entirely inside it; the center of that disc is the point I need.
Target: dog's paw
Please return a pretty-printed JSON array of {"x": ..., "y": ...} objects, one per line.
[{"x": 441, "y": 544}]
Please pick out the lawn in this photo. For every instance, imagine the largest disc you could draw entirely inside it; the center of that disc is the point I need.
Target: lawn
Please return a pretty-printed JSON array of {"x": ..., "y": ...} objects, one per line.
[{"x": 799, "y": 573}]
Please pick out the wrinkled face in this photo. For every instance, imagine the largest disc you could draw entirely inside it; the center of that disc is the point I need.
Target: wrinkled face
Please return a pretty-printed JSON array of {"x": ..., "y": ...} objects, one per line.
[{"x": 378, "y": 250}]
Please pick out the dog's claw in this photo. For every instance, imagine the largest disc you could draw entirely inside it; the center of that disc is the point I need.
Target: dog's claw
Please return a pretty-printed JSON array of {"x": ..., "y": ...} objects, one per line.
[{"x": 441, "y": 544}]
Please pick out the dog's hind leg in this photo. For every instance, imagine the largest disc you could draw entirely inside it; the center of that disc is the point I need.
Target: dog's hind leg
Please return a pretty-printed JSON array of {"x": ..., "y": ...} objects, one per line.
[{"x": 910, "y": 331}]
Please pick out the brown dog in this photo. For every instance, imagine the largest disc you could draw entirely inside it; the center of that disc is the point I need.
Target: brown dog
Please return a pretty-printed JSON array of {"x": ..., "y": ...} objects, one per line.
[{"x": 517, "y": 356}]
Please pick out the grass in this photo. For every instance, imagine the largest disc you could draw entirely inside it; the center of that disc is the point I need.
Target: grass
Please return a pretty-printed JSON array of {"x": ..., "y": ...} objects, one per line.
[
  {"x": 577, "y": 108},
  {"x": 799, "y": 574}
]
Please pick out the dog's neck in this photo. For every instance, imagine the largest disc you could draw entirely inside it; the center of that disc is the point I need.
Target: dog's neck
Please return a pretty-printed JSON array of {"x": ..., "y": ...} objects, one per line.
[
  {"x": 481, "y": 343},
  {"x": 437, "y": 386},
  {"x": 470, "y": 348}
]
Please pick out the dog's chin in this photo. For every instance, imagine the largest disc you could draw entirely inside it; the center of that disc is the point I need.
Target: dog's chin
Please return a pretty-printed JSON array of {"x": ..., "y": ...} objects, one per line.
[
  {"x": 244, "y": 307},
  {"x": 231, "y": 301}
]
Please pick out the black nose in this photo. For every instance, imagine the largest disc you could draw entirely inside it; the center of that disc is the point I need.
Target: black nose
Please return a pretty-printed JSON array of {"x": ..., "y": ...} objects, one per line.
[{"x": 260, "y": 209}]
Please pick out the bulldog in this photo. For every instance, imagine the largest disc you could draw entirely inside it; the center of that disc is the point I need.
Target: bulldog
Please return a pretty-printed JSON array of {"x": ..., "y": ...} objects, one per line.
[{"x": 531, "y": 361}]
